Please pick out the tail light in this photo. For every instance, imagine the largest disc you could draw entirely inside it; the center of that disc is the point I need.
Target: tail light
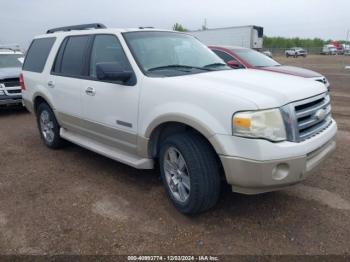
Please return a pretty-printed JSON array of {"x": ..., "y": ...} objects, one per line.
[{"x": 21, "y": 82}]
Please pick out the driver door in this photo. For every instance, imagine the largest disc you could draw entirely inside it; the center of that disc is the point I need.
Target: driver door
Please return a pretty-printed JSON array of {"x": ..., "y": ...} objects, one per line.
[{"x": 110, "y": 109}]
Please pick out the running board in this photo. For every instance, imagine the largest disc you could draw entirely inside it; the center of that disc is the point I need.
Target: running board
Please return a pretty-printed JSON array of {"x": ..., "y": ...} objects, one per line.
[{"x": 105, "y": 150}]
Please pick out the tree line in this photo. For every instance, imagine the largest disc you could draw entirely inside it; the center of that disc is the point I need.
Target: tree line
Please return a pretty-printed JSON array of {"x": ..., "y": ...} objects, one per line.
[{"x": 283, "y": 42}]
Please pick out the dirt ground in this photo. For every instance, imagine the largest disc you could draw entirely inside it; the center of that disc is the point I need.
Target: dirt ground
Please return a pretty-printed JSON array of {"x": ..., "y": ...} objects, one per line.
[{"x": 73, "y": 201}]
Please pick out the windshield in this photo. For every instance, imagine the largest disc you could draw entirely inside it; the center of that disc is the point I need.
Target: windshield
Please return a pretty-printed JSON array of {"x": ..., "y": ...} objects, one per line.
[
  {"x": 171, "y": 54},
  {"x": 254, "y": 58},
  {"x": 11, "y": 60}
]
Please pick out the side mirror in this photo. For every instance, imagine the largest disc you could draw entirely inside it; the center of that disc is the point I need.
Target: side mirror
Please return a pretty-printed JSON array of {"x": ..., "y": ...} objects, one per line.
[
  {"x": 234, "y": 64},
  {"x": 111, "y": 71}
]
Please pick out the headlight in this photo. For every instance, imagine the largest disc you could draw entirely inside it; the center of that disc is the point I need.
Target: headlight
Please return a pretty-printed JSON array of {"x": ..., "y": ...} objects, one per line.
[{"x": 267, "y": 124}]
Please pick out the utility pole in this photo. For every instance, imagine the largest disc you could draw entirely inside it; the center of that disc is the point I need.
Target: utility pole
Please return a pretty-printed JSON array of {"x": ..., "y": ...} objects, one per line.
[
  {"x": 204, "y": 26},
  {"x": 347, "y": 40}
]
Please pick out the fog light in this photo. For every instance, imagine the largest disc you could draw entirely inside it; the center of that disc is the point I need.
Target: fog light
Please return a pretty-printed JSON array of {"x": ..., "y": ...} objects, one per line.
[
  {"x": 280, "y": 171},
  {"x": 1, "y": 93}
]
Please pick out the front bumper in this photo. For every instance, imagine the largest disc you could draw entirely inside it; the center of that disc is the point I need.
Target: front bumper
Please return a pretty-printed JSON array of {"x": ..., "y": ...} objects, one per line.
[{"x": 254, "y": 176}]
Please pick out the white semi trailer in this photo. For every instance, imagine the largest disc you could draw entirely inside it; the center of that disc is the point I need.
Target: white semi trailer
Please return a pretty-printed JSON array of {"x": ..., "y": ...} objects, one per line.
[{"x": 250, "y": 36}]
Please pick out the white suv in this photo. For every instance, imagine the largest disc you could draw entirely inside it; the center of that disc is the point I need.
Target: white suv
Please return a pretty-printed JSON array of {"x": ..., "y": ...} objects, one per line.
[
  {"x": 295, "y": 52},
  {"x": 142, "y": 96}
]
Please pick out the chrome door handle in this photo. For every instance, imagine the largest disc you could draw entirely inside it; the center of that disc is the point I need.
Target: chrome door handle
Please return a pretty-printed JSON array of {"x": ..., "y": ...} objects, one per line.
[
  {"x": 50, "y": 84},
  {"x": 90, "y": 91}
]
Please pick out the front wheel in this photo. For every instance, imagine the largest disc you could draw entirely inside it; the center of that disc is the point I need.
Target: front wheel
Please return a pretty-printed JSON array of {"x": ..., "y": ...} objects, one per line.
[
  {"x": 190, "y": 172},
  {"x": 49, "y": 127}
]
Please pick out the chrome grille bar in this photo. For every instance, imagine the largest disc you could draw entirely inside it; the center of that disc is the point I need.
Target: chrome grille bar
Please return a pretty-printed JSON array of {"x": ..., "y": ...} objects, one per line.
[
  {"x": 313, "y": 109},
  {"x": 312, "y": 121},
  {"x": 307, "y": 118}
]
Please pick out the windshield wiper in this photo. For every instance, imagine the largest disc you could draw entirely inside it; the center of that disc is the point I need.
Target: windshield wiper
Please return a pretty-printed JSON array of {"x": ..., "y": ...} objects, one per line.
[
  {"x": 178, "y": 67},
  {"x": 215, "y": 65}
]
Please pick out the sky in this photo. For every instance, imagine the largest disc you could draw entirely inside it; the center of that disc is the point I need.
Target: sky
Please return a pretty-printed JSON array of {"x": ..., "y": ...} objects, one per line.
[{"x": 21, "y": 20}]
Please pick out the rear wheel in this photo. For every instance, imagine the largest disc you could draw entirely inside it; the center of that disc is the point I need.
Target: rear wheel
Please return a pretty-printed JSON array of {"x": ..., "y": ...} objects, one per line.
[
  {"x": 48, "y": 126},
  {"x": 190, "y": 172}
]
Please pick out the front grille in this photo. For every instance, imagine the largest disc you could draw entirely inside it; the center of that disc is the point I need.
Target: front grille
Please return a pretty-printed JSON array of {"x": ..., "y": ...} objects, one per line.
[
  {"x": 10, "y": 82},
  {"x": 307, "y": 118}
]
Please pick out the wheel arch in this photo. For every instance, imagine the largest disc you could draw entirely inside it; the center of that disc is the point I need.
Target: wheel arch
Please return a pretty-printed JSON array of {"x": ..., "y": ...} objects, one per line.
[
  {"x": 168, "y": 128},
  {"x": 39, "y": 98},
  {"x": 159, "y": 130}
]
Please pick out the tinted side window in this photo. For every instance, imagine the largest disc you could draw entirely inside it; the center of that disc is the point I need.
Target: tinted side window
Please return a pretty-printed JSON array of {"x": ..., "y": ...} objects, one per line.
[
  {"x": 37, "y": 54},
  {"x": 106, "y": 48},
  {"x": 74, "y": 56},
  {"x": 223, "y": 56}
]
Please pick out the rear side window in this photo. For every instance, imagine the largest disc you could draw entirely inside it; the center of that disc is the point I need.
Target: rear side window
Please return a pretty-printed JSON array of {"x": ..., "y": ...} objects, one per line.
[
  {"x": 37, "y": 54},
  {"x": 71, "y": 56}
]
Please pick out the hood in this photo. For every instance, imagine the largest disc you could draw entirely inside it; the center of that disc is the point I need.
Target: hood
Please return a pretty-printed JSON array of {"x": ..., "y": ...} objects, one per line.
[
  {"x": 10, "y": 72},
  {"x": 264, "y": 89},
  {"x": 293, "y": 70}
]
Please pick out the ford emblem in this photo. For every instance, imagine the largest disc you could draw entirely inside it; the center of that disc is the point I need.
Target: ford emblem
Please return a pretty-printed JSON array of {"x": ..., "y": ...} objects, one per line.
[{"x": 320, "y": 114}]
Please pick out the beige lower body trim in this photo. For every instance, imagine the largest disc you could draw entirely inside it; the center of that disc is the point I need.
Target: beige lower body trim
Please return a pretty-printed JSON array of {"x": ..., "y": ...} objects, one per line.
[
  {"x": 113, "y": 137},
  {"x": 253, "y": 177},
  {"x": 106, "y": 150},
  {"x": 143, "y": 146}
]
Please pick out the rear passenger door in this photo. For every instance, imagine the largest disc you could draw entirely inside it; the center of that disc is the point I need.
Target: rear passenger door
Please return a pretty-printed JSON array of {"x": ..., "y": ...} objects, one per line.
[
  {"x": 110, "y": 108},
  {"x": 68, "y": 78}
]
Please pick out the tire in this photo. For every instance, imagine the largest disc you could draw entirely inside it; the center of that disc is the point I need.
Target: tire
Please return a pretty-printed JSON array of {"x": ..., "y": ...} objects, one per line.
[
  {"x": 287, "y": 55},
  {"x": 48, "y": 127},
  {"x": 200, "y": 167}
]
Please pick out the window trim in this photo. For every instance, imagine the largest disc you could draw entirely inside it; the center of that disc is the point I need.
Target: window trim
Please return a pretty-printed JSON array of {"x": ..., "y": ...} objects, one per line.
[
  {"x": 31, "y": 44},
  {"x": 87, "y": 60}
]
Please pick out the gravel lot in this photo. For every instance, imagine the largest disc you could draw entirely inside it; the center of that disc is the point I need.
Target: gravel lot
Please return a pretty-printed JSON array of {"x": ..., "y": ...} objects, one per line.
[{"x": 73, "y": 201}]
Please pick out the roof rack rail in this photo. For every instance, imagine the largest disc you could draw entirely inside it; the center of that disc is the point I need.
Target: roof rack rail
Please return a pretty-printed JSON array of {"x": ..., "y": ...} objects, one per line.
[
  {"x": 76, "y": 27},
  {"x": 145, "y": 27}
]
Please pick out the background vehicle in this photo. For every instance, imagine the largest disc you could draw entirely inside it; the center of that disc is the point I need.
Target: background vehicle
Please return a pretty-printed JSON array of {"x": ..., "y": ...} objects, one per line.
[
  {"x": 268, "y": 53},
  {"x": 141, "y": 96},
  {"x": 246, "y": 36},
  {"x": 295, "y": 52},
  {"x": 339, "y": 47},
  {"x": 10, "y": 67},
  {"x": 238, "y": 57},
  {"x": 329, "y": 50}
]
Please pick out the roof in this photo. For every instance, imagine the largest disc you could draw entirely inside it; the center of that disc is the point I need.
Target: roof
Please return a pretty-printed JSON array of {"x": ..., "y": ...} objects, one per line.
[{"x": 101, "y": 31}]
